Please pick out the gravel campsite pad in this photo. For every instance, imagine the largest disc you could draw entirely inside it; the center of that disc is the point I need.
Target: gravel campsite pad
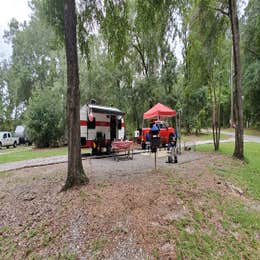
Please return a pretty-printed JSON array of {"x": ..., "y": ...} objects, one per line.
[{"x": 127, "y": 211}]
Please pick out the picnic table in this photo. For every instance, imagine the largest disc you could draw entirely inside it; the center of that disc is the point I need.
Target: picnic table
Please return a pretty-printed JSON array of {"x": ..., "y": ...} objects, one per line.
[{"x": 122, "y": 148}]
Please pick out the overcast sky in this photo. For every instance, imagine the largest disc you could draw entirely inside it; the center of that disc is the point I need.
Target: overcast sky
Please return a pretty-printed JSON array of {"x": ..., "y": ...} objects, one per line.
[{"x": 18, "y": 9}]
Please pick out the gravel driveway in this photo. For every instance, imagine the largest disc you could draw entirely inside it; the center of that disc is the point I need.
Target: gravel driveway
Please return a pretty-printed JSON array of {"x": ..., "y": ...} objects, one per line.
[{"x": 108, "y": 167}]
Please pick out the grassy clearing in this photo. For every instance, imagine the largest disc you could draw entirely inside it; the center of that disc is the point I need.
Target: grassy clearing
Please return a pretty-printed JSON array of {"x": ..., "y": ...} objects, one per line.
[
  {"x": 223, "y": 227},
  {"x": 202, "y": 137},
  {"x": 27, "y": 154},
  {"x": 216, "y": 226},
  {"x": 246, "y": 174},
  {"x": 231, "y": 235}
]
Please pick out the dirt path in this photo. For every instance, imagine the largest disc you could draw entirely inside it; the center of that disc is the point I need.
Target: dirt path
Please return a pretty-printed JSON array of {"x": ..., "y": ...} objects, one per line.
[{"x": 247, "y": 138}]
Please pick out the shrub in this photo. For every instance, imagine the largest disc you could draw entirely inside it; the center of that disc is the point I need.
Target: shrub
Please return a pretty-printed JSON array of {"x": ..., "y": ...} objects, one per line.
[{"x": 45, "y": 118}]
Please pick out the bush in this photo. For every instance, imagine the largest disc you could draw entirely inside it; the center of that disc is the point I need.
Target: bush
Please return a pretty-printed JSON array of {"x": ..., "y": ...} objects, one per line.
[{"x": 45, "y": 118}]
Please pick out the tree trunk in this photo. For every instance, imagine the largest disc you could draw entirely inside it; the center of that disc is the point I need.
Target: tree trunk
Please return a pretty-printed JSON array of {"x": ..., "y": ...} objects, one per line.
[
  {"x": 76, "y": 175},
  {"x": 238, "y": 109},
  {"x": 215, "y": 115}
]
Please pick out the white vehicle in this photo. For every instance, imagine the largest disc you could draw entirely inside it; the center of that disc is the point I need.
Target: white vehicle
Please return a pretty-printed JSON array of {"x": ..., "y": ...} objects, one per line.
[
  {"x": 7, "y": 139},
  {"x": 99, "y": 126},
  {"x": 21, "y": 133}
]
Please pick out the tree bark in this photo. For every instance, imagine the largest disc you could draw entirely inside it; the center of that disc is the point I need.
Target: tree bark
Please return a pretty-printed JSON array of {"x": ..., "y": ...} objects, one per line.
[
  {"x": 75, "y": 175},
  {"x": 238, "y": 106}
]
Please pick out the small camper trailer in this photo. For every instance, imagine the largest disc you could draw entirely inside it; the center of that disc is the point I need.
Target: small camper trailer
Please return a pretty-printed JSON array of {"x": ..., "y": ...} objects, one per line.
[{"x": 99, "y": 126}]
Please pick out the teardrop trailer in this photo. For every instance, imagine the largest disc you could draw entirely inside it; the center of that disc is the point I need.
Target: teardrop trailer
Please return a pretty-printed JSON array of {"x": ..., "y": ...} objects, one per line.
[{"x": 100, "y": 126}]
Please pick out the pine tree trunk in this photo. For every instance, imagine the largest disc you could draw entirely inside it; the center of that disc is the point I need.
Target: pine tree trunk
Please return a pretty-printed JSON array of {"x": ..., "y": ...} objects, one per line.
[
  {"x": 238, "y": 108},
  {"x": 76, "y": 175}
]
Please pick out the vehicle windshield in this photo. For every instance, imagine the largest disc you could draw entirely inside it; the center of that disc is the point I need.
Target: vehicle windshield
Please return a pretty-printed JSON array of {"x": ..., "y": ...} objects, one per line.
[{"x": 161, "y": 124}]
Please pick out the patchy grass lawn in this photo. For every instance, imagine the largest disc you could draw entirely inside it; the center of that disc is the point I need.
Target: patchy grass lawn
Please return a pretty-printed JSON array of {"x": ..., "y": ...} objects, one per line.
[
  {"x": 181, "y": 212},
  {"x": 11, "y": 149},
  {"x": 246, "y": 174},
  {"x": 26, "y": 153}
]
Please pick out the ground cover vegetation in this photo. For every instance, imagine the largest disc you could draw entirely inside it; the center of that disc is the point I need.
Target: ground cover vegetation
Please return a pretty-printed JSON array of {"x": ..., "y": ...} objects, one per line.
[
  {"x": 247, "y": 174},
  {"x": 190, "y": 210}
]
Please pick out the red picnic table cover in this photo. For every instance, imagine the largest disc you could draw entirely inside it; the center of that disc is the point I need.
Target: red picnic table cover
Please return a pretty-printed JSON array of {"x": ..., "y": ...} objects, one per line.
[{"x": 118, "y": 145}]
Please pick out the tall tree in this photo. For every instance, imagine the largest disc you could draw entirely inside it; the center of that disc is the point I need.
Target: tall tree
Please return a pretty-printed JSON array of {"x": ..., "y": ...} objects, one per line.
[
  {"x": 61, "y": 14},
  {"x": 76, "y": 175},
  {"x": 251, "y": 49},
  {"x": 238, "y": 107}
]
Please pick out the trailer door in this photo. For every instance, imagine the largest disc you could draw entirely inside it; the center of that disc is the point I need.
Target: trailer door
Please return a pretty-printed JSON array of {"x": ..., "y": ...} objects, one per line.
[{"x": 113, "y": 126}]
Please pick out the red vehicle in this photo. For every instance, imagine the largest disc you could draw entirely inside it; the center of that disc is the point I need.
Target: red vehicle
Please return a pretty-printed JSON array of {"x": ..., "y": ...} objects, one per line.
[{"x": 166, "y": 134}]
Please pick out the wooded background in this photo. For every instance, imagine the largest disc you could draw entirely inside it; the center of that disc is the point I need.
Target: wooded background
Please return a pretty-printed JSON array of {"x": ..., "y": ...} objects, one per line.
[{"x": 127, "y": 59}]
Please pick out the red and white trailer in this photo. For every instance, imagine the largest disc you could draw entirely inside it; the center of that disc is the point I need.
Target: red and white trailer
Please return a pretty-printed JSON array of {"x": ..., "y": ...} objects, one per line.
[{"x": 100, "y": 126}]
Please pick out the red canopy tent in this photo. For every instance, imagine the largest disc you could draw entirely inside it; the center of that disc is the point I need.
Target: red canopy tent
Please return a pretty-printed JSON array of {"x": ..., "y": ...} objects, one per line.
[{"x": 159, "y": 110}]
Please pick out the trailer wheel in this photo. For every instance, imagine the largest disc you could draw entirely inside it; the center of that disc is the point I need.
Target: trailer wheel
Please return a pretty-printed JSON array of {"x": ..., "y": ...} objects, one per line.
[
  {"x": 109, "y": 149},
  {"x": 94, "y": 151}
]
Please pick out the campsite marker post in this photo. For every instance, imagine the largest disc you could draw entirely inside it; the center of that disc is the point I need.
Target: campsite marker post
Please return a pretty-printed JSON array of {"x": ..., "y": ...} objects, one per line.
[{"x": 155, "y": 159}]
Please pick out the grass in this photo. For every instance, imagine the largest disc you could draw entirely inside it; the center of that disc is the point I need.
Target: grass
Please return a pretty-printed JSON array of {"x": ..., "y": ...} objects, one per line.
[
  {"x": 219, "y": 227},
  {"x": 222, "y": 227},
  {"x": 246, "y": 174},
  {"x": 25, "y": 153},
  {"x": 232, "y": 237}
]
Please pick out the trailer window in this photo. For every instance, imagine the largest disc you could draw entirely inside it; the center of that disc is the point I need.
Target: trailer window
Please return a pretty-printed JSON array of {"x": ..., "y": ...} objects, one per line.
[{"x": 92, "y": 124}]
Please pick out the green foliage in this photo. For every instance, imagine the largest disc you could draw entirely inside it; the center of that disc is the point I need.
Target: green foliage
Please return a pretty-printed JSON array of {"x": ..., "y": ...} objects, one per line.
[
  {"x": 206, "y": 61},
  {"x": 115, "y": 27},
  {"x": 52, "y": 13},
  {"x": 130, "y": 46},
  {"x": 36, "y": 62},
  {"x": 252, "y": 92},
  {"x": 45, "y": 117},
  {"x": 2, "y": 95},
  {"x": 33, "y": 60}
]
